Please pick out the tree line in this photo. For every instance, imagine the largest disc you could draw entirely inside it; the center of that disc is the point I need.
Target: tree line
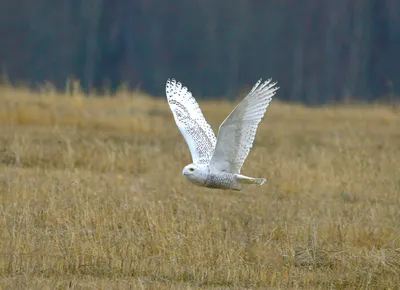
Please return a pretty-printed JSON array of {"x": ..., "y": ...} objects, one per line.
[{"x": 319, "y": 50}]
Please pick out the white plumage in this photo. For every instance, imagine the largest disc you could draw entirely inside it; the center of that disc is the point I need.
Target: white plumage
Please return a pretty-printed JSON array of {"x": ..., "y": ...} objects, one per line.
[
  {"x": 190, "y": 121},
  {"x": 217, "y": 161}
]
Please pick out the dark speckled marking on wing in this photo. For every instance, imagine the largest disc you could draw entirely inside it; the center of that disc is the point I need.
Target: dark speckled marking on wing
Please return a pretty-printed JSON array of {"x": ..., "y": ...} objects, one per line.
[
  {"x": 190, "y": 121},
  {"x": 204, "y": 147}
]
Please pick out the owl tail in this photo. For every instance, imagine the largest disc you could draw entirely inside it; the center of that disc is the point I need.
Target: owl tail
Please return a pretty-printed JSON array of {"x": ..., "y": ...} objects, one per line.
[
  {"x": 250, "y": 180},
  {"x": 259, "y": 181}
]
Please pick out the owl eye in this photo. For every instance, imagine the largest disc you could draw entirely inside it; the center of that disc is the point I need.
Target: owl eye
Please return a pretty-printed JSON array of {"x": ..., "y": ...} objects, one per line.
[{"x": 191, "y": 169}]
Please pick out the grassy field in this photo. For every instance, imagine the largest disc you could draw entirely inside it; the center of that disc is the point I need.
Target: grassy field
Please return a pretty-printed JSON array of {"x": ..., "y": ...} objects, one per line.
[{"x": 92, "y": 197}]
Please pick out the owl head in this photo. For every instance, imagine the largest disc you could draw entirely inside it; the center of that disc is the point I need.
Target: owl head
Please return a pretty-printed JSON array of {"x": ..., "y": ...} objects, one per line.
[{"x": 196, "y": 173}]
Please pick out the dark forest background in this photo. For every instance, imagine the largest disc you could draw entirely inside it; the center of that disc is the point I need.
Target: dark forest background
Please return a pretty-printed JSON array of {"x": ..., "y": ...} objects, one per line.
[{"x": 319, "y": 50}]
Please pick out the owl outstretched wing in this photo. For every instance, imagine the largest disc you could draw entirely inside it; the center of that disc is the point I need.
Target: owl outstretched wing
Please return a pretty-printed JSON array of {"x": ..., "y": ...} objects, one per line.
[
  {"x": 236, "y": 134},
  {"x": 190, "y": 120}
]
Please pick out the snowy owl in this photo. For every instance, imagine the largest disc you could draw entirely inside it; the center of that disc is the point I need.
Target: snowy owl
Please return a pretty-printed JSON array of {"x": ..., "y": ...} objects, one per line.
[{"x": 217, "y": 161}]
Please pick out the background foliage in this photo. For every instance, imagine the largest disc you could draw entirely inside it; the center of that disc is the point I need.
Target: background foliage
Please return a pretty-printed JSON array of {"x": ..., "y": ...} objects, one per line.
[{"x": 319, "y": 50}]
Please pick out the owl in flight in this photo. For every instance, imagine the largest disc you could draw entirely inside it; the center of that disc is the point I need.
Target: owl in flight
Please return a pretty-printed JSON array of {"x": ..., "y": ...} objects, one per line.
[{"x": 217, "y": 160}]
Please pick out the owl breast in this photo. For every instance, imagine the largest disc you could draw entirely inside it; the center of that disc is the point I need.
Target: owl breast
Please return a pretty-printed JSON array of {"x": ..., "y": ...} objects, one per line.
[{"x": 222, "y": 180}]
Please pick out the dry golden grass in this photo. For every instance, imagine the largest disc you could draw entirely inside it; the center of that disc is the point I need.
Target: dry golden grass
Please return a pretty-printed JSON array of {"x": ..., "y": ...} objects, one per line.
[{"x": 92, "y": 196}]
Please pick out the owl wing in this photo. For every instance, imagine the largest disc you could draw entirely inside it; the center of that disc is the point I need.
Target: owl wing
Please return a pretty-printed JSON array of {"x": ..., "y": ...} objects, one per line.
[
  {"x": 236, "y": 134},
  {"x": 188, "y": 117}
]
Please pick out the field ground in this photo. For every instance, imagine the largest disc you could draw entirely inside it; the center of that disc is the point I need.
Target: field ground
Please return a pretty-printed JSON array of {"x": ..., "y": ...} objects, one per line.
[{"x": 92, "y": 197}]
